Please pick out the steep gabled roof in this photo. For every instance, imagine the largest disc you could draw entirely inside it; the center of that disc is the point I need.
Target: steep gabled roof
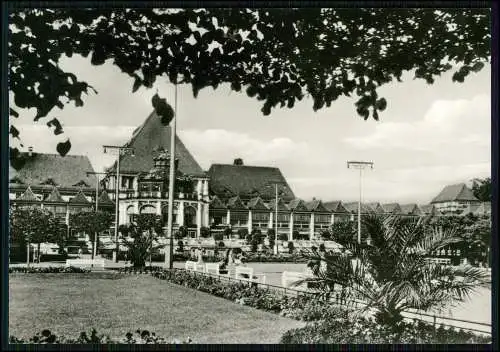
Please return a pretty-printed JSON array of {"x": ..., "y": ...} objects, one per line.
[
  {"x": 28, "y": 196},
  {"x": 376, "y": 207},
  {"x": 49, "y": 182},
  {"x": 458, "y": 192},
  {"x": 336, "y": 206},
  {"x": 79, "y": 198},
  {"x": 317, "y": 206},
  {"x": 281, "y": 205},
  {"x": 216, "y": 203},
  {"x": 104, "y": 199},
  {"x": 148, "y": 140},
  {"x": 64, "y": 171},
  {"x": 81, "y": 183},
  {"x": 393, "y": 208},
  {"x": 54, "y": 196},
  {"x": 352, "y": 207},
  {"x": 297, "y": 205},
  {"x": 410, "y": 209},
  {"x": 247, "y": 181},
  {"x": 257, "y": 204},
  {"x": 236, "y": 204}
]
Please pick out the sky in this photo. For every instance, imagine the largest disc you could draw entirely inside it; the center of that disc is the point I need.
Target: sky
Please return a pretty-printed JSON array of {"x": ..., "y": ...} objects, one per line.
[{"x": 429, "y": 136}]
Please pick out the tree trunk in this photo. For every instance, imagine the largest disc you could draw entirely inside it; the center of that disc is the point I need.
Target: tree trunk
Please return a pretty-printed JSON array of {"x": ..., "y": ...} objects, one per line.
[
  {"x": 28, "y": 254},
  {"x": 38, "y": 253}
]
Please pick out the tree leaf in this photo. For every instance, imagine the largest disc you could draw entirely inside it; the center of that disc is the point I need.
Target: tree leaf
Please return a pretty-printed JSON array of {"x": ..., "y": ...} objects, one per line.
[{"x": 63, "y": 147}]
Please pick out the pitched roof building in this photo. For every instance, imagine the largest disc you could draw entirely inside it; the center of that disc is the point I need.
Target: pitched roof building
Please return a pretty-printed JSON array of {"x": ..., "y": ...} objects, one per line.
[
  {"x": 453, "y": 199},
  {"x": 411, "y": 209},
  {"x": 59, "y": 184},
  {"x": 247, "y": 182},
  {"x": 44, "y": 171}
]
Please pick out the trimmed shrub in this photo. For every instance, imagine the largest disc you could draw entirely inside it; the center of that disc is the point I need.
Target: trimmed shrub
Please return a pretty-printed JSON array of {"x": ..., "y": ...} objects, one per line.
[
  {"x": 218, "y": 236},
  {"x": 242, "y": 233},
  {"x": 282, "y": 237},
  {"x": 205, "y": 232}
]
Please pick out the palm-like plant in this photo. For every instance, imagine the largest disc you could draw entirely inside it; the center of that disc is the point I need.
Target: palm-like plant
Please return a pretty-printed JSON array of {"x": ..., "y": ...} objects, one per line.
[{"x": 392, "y": 273}]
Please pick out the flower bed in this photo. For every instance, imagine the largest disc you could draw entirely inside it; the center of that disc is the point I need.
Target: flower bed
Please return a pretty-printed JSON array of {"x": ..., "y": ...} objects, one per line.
[
  {"x": 244, "y": 293},
  {"x": 327, "y": 323},
  {"x": 141, "y": 337},
  {"x": 349, "y": 330},
  {"x": 258, "y": 258},
  {"x": 49, "y": 269}
]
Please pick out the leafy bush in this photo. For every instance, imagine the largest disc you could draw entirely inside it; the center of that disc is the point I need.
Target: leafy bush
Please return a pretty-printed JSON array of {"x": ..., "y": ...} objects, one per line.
[
  {"x": 181, "y": 246},
  {"x": 282, "y": 237},
  {"x": 218, "y": 236},
  {"x": 272, "y": 258},
  {"x": 242, "y": 233},
  {"x": 345, "y": 328},
  {"x": 221, "y": 244},
  {"x": 142, "y": 337},
  {"x": 47, "y": 270},
  {"x": 204, "y": 232},
  {"x": 228, "y": 232}
]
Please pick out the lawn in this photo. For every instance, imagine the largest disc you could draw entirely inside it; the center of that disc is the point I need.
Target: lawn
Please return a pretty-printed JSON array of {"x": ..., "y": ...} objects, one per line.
[{"x": 115, "y": 304}]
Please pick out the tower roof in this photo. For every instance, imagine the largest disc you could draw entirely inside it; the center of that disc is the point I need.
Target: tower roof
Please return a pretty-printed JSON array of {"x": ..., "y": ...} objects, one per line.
[{"x": 150, "y": 140}]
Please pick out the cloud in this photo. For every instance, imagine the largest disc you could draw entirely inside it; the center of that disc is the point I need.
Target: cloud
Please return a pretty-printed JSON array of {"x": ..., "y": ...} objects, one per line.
[
  {"x": 448, "y": 124},
  {"x": 222, "y": 146}
]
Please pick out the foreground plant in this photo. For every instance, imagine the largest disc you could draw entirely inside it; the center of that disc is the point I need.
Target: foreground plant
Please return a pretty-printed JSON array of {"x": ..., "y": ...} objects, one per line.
[
  {"x": 393, "y": 274},
  {"x": 141, "y": 337}
]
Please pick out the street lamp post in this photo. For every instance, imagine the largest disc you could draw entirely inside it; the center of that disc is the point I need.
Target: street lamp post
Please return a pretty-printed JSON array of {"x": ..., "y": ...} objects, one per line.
[
  {"x": 360, "y": 165},
  {"x": 117, "y": 190},
  {"x": 94, "y": 254},
  {"x": 275, "y": 249}
]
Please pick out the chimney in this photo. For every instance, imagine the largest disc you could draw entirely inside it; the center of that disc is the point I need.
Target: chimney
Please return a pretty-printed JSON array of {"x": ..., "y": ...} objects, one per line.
[
  {"x": 30, "y": 151},
  {"x": 238, "y": 161}
]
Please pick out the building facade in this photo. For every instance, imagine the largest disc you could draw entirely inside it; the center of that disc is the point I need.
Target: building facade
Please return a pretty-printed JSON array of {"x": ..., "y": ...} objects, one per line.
[
  {"x": 454, "y": 199},
  {"x": 58, "y": 184},
  {"x": 143, "y": 179}
]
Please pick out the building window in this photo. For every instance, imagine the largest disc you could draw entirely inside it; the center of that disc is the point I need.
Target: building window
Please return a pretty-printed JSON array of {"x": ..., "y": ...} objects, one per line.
[
  {"x": 283, "y": 217},
  {"x": 260, "y": 216},
  {"x": 323, "y": 218}
]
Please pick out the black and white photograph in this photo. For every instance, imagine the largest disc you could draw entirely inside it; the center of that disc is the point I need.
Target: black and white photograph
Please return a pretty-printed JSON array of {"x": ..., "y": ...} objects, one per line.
[{"x": 249, "y": 175}]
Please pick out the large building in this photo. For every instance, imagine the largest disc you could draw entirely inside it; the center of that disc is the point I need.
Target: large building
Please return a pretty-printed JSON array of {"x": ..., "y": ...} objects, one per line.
[
  {"x": 233, "y": 195},
  {"x": 143, "y": 184},
  {"x": 454, "y": 199},
  {"x": 58, "y": 184}
]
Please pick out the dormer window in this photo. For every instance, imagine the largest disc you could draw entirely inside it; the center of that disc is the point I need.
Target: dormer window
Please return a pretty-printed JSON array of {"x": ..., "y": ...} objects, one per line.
[
  {"x": 49, "y": 182},
  {"x": 81, "y": 183}
]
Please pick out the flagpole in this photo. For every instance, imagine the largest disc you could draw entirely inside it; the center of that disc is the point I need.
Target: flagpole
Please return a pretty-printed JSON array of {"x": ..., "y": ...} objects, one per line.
[{"x": 169, "y": 254}]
